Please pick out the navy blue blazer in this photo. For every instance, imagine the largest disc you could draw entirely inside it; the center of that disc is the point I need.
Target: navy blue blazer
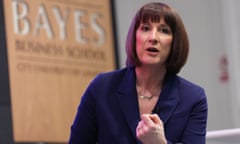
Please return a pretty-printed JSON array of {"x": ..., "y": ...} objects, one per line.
[{"x": 109, "y": 113}]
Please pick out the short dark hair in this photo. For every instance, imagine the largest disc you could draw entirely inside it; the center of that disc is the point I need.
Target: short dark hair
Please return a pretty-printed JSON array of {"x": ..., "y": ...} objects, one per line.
[{"x": 180, "y": 44}]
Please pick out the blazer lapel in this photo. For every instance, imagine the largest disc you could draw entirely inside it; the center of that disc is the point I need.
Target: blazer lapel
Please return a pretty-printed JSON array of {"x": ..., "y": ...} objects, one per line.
[
  {"x": 168, "y": 99},
  {"x": 127, "y": 97}
]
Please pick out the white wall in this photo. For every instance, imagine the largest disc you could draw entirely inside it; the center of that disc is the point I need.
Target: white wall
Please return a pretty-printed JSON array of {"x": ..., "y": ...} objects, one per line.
[
  {"x": 207, "y": 25},
  {"x": 231, "y": 21}
]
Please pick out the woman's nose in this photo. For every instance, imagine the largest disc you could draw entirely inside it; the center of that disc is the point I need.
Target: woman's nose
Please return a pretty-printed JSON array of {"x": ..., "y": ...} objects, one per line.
[
  {"x": 153, "y": 41},
  {"x": 153, "y": 37}
]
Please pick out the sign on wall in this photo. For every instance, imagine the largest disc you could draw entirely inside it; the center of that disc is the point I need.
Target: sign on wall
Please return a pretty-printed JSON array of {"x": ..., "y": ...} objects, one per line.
[{"x": 55, "y": 48}]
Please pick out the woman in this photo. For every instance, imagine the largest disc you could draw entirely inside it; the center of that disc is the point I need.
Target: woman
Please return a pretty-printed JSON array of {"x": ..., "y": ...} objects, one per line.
[{"x": 146, "y": 102}]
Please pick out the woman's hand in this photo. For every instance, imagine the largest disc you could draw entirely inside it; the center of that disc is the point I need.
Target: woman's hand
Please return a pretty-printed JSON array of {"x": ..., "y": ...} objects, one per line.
[{"x": 150, "y": 130}]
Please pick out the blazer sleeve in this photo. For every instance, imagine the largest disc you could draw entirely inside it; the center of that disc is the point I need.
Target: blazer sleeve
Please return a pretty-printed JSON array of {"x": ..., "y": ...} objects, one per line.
[
  {"x": 84, "y": 127},
  {"x": 195, "y": 130}
]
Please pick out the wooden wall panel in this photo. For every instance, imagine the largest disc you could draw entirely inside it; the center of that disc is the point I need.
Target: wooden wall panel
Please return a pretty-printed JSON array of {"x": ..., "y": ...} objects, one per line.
[{"x": 55, "y": 48}]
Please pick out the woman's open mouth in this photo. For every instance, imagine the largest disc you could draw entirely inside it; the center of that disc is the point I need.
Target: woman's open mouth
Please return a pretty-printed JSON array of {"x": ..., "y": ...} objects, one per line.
[{"x": 152, "y": 49}]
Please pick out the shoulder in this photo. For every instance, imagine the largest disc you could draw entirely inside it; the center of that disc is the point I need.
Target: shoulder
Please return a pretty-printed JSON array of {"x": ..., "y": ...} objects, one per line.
[
  {"x": 189, "y": 90},
  {"x": 112, "y": 75},
  {"x": 186, "y": 84},
  {"x": 111, "y": 78},
  {"x": 191, "y": 96}
]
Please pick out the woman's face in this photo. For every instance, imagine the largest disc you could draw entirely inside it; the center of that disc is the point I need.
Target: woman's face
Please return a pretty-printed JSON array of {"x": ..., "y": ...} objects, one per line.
[{"x": 153, "y": 42}]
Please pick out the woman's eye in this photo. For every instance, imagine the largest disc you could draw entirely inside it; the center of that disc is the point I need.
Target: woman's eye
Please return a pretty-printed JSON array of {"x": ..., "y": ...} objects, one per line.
[
  {"x": 165, "y": 30},
  {"x": 145, "y": 28}
]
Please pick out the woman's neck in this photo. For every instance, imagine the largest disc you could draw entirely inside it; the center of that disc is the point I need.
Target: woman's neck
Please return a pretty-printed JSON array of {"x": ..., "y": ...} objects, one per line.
[{"x": 149, "y": 80}]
